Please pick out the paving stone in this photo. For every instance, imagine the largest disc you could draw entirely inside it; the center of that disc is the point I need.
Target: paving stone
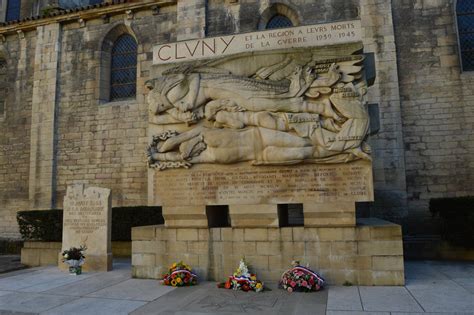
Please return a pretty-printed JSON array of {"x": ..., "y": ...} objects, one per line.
[
  {"x": 458, "y": 270},
  {"x": 436, "y": 313},
  {"x": 344, "y": 298},
  {"x": 388, "y": 299},
  {"x": 207, "y": 298},
  {"x": 91, "y": 284},
  {"x": 115, "y": 293},
  {"x": 443, "y": 296},
  {"x": 96, "y": 306},
  {"x": 422, "y": 270},
  {"x": 16, "y": 313},
  {"x": 31, "y": 302},
  {"x": 64, "y": 280},
  {"x": 356, "y": 313},
  {"x": 466, "y": 283},
  {"x": 134, "y": 289}
]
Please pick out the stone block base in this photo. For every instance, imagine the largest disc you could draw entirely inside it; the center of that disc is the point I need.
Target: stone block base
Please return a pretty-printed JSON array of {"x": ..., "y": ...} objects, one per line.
[
  {"x": 316, "y": 214},
  {"x": 370, "y": 253},
  {"x": 40, "y": 253},
  {"x": 92, "y": 263},
  {"x": 185, "y": 216},
  {"x": 36, "y": 253}
]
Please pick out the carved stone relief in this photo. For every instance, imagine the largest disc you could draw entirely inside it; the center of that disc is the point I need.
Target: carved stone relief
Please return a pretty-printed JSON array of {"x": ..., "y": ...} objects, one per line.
[{"x": 272, "y": 108}]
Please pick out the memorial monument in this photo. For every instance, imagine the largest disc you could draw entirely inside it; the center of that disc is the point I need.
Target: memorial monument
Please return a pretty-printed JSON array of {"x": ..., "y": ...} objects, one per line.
[
  {"x": 87, "y": 221},
  {"x": 251, "y": 122}
]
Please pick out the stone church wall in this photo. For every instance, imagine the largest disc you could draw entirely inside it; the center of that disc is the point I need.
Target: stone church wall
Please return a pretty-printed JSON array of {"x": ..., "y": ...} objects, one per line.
[
  {"x": 423, "y": 149},
  {"x": 437, "y": 106},
  {"x": 103, "y": 143},
  {"x": 15, "y": 122}
]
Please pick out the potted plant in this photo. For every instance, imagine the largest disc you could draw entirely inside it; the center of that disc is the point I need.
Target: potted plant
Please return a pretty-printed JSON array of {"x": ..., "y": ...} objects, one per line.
[{"x": 75, "y": 258}]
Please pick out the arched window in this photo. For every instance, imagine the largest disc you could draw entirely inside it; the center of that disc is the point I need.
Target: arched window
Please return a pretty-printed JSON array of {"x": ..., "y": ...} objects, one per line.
[
  {"x": 123, "y": 68},
  {"x": 279, "y": 21},
  {"x": 465, "y": 23},
  {"x": 278, "y": 15}
]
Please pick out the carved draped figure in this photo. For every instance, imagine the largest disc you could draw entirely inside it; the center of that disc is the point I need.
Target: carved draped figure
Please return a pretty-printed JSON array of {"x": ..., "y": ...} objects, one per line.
[{"x": 311, "y": 115}]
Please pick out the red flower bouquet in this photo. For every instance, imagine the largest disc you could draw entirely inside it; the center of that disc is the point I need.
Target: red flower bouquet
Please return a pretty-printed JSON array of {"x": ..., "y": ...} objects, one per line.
[
  {"x": 179, "y": 275},
  {"x": 301, "y": 279},
  {"x": 242, "y": 280}
]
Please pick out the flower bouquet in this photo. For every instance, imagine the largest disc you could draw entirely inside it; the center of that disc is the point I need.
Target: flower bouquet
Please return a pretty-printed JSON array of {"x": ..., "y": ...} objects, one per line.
[
  {"x": 74, "y": 257},
  {"x": 301, "y": 279},
  {"x": 179, "y": 275},
  {"x": 242, "y": 280}
]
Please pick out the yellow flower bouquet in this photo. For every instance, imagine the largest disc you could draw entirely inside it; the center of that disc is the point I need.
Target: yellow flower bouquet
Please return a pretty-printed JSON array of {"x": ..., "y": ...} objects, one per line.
[{"x": 179, "y": 275}]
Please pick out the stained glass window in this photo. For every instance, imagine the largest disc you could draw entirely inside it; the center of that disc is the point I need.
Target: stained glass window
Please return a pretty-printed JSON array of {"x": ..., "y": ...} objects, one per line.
[
  {"x": 123, "y": 74},
  {"x": 13, "y": 10},
  {"x": 465, "y": 17},
  {"x": 279, "y": 21}
]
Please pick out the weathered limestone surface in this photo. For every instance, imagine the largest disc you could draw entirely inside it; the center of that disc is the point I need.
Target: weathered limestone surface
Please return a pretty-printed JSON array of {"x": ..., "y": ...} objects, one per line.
[
  {"x": 44, "y": 107},
  {"x": 425, "y": 102},
  {"x": 369, "y": 254},
  {"x": 438, "y": 108},
  {"x": 388, "y": 145},
  {"x": 328, "y": 193},
  {"x": 283, "y": 108},
  {"x": 296, "y": 106},
  {"x": 36, "y": 253},
  {"x": 87, "y": 221},
  {"x": 40, "y": 253}
]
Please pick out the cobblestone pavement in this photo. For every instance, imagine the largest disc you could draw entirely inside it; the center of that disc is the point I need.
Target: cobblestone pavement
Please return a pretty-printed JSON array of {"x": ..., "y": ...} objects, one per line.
[
  {"x": 10, "y": 263},
  {"x": 431, "y": 288}
]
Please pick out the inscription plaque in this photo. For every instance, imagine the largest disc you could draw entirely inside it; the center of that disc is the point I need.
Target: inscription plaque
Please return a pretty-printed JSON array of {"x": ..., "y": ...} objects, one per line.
[
  {"x": 221, "y": 185},
  {"x": 293, "y": 37},
  {"x": 87, "y": 221}
]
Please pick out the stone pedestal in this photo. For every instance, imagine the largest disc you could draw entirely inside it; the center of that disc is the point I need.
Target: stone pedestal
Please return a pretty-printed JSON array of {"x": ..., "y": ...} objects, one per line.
[
  {"x": 253, "y": 215},
  {"x": 232, "y": 169},
  {"x": 329, "y": 214},
  {"x": 87, "y": 221},
  {"x": 185, "y": 216},
  {"x": 328, "y": 193},
  {"x": 370, "y": 253}
]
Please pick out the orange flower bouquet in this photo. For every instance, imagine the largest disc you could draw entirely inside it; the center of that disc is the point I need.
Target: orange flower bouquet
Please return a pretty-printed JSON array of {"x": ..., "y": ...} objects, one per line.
[{"x": 179, "y": 275}]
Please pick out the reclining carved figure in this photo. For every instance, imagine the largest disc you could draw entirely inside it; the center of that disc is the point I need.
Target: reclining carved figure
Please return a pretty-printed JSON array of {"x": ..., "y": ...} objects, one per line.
[{"x": 184, "y": 95}]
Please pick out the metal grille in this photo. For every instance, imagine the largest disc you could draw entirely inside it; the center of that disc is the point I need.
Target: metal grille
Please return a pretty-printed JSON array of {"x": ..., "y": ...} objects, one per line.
[
  {"x": 465, "y": 17},
  {"x": 295, "y": 215},
  {"x": 13, "y": 10},
  {"x": 123, "y": 74},
  {"x": 279, "y": 21},
  {"x": 290, "y": 215}
]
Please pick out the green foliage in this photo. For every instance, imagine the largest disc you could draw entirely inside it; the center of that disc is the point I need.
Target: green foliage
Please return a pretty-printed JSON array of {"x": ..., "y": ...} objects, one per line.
[
  {"x": 41, "y": 225},
  {"x": 124, "y": 218},
  {"x": 47, "y": 225},
  {"x": 347, "y": 284},
  {"x": 457, "y": 219}
]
